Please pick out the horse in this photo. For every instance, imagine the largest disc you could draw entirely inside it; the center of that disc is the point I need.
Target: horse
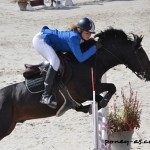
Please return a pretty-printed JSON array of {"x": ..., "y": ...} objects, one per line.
[{"x": 114, "y": 47}]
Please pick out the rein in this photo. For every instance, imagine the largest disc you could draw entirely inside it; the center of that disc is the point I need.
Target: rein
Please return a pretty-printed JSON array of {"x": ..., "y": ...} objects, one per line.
[{"x": 124, "y": 62}]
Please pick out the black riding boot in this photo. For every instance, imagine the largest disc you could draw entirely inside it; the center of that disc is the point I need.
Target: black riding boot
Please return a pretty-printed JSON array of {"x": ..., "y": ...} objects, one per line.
[{"x": 47, "y": 97}]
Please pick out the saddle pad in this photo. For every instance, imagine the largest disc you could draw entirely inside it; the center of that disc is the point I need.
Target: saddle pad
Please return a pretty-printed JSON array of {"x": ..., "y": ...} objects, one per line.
[{"x": 35, "y": 85}]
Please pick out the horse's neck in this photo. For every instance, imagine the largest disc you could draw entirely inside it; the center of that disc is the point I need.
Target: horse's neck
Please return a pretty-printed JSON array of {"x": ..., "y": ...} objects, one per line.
[{"x": 106, "y": 62}]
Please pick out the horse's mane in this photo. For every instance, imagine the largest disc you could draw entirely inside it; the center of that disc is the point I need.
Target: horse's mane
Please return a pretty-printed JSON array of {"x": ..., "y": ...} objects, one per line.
[
  {"x": 117, "y": 34},
  {"x": 112, "y": 33}
]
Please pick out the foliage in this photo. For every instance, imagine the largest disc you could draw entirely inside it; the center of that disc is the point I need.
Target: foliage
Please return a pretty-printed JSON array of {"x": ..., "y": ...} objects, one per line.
[{"x": 127, "y": 117}]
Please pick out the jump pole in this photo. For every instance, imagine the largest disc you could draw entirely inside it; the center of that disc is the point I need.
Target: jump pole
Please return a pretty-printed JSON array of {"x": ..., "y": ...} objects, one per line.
[
  {"x": 95, "y": 116},
  {"x": 102, "y": 122},
  {"x": 99, "y": 120}
]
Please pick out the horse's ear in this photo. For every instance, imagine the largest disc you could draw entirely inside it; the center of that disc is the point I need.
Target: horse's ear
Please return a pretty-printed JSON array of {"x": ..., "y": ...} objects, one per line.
[
  {"x": 134, "y": 36},
  {"x": 137, "y": 40},
  {"x": 141, "y": 37}
]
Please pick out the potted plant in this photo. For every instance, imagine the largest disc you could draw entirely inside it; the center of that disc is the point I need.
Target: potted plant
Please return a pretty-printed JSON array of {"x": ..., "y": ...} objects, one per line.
[
  {"x": 22, "y": 4},
  {"x": 123, "y": 120}
]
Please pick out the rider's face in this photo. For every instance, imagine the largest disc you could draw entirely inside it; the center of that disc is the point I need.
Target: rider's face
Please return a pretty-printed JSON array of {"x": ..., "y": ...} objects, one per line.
[{"x": 85, "y": 35}]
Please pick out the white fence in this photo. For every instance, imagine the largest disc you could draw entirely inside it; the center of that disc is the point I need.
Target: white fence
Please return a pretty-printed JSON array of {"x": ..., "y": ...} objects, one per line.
[{"x": 100, "y": 125}]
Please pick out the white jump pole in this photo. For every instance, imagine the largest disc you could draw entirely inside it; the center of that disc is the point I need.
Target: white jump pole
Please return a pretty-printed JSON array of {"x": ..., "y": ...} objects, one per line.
[
  {"x": 95, "y": 116},
  {"x": 102, "y": 123},
  {"x": 105, "y": 110}
]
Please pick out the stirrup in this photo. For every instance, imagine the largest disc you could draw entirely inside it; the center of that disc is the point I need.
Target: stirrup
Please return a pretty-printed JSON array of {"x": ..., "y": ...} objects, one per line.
[{"x": 49, "y": 101}]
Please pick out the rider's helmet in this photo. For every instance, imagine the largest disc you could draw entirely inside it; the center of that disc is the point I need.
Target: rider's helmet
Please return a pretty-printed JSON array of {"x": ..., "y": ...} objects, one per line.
[{"x": 86, "y": 24}]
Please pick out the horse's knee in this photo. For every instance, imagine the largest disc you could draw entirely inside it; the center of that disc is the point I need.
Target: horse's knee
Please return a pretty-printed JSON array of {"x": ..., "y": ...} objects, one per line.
[{"x": 99, "y": 98}]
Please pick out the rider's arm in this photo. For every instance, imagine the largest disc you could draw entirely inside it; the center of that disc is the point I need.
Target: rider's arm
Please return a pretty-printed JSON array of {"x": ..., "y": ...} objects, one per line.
[{"x": 74, "y": 44}]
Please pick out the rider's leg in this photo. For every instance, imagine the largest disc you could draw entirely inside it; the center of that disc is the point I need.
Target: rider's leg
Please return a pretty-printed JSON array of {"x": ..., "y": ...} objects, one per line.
[
  {"x": 47, "y": 97},
  {"x": 49, "y": 54}
]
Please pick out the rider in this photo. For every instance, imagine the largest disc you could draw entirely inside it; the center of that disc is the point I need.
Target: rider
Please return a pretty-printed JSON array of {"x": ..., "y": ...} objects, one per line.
[{"x": 48, "y": 41}]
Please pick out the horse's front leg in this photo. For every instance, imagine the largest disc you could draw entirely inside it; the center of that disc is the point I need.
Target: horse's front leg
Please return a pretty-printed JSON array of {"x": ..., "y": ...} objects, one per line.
[
  {"x": 104, "y": 87},
  {"x": 102, "y": 101}
]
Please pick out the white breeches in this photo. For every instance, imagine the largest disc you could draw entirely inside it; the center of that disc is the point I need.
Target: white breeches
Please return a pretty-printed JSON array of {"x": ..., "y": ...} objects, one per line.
[{"x": 46, "y": 51}]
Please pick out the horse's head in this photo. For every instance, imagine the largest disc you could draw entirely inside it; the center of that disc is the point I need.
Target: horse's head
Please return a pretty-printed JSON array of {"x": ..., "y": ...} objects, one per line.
[
  {"x": 142, "y": 69},
  {"x": 126, "y": 50}
]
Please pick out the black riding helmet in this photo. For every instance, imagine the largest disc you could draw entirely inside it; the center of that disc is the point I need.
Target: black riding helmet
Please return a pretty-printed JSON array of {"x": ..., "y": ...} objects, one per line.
[{"x": 86, "y": 24}]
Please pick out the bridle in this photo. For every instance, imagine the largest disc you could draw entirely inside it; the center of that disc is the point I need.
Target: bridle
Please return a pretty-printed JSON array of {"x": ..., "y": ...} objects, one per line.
[{"x": 141, "y": 76}]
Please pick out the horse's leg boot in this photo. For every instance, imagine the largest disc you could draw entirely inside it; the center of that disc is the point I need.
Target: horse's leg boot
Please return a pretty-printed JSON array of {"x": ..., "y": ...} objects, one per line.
[{"x": 47, "y": 97}]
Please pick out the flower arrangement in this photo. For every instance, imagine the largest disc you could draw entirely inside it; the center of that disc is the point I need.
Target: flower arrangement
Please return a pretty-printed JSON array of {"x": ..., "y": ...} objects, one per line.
[{"x": 127, "y": 117}]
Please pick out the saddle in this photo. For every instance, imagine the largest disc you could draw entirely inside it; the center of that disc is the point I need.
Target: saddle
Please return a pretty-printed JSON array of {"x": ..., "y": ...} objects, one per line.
[
  {"x": 35, "y": 77},
  {"x": 32, "y": 71}
]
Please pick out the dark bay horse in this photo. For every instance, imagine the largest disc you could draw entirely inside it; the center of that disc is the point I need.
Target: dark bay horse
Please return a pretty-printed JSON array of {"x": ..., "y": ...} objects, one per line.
[{"x": 114, "y": 47}]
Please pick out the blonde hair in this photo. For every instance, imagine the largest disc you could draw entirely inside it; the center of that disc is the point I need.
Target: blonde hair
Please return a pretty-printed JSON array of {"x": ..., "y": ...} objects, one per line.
[{"x": 73, "y": 27}]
